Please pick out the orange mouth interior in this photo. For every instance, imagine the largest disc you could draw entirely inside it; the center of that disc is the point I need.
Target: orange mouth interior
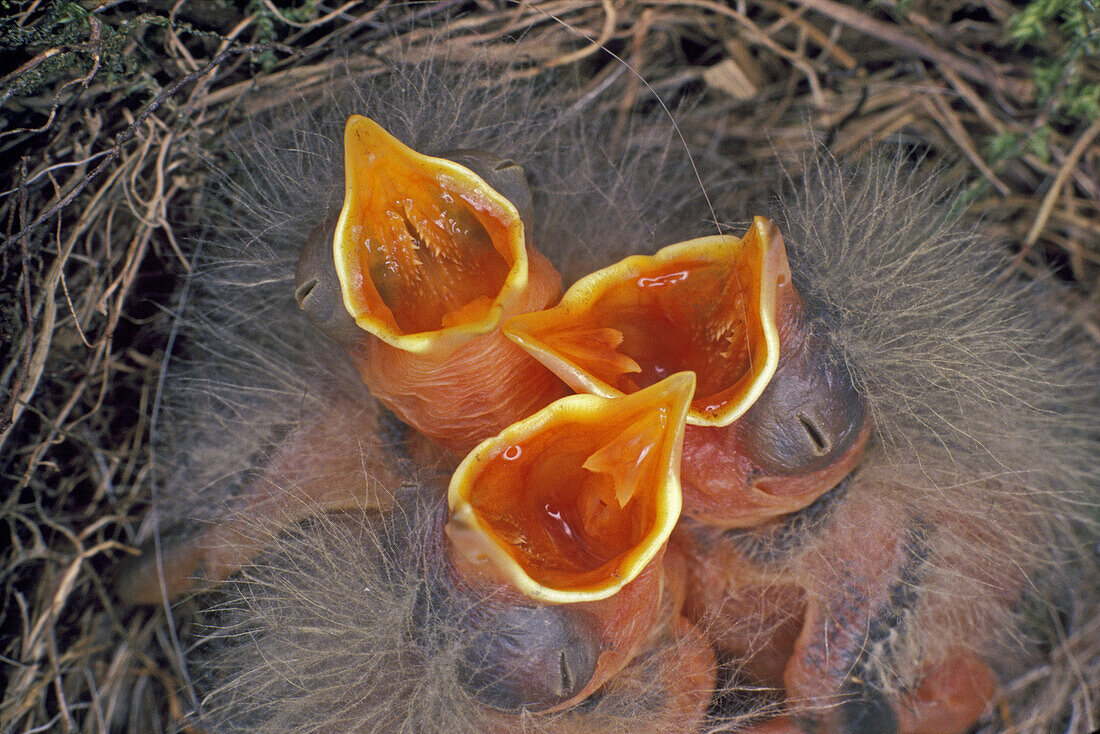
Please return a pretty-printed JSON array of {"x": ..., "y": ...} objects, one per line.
[
  {"x": 706, "y": 306},
  {"x": 422, "y": 244},
  {"x": 578, "y": 493},
  {"x": 567, "y": 512},
  {"x": 686, "y": 315}
]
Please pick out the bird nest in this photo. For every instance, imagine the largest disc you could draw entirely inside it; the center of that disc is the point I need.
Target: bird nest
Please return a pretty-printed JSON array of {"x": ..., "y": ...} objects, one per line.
[{"x": 114, "y": 119}]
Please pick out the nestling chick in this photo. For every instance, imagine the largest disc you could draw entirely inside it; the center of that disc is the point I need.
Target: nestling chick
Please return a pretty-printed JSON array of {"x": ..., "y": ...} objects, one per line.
[
  {"x": 888, "y": 599},
  {"x": 893, "y": 603},
  {"x": 490, "y": 672}
]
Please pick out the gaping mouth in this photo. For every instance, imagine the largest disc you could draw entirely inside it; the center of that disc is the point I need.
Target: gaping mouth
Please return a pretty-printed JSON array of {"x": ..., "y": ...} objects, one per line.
[
  {"x": 706, "y": 305},
  {"x": 572, "y": 503},
  {"x": 426, "y": 252}
]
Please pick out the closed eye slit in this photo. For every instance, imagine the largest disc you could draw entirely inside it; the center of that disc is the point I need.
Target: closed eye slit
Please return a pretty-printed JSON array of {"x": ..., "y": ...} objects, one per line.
[{"x": 814, "y": 434}]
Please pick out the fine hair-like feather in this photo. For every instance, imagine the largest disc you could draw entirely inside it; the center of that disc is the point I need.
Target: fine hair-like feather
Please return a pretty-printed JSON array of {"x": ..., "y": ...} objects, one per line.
[{"x": 983, "y": 397}]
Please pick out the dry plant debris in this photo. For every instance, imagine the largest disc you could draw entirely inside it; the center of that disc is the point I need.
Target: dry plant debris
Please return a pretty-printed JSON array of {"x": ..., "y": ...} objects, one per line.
[{"x": 113, "y": 112}]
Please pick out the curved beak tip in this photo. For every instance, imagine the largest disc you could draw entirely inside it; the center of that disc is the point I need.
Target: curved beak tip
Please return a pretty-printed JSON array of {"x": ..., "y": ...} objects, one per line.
[{"x": 427, "y": 254}]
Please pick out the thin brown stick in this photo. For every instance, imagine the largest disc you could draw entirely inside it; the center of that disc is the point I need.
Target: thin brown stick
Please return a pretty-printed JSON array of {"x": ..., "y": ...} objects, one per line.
[
  {"x": 1064, "y": 173},
  {"x": 7, "y": 413},
  {"x": 992, "y": 76},
  {"x": 124, "y": 136}
]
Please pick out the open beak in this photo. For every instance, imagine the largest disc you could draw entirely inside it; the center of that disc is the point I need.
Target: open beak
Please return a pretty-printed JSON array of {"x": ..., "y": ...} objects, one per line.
[
  {"x": 571, "y": 504},
  {"x": 416, "y": 276},
  {"x": 427, "y": 253},
  {"x": 769, "y": 432},
  {"x": 707, "y": 305}
]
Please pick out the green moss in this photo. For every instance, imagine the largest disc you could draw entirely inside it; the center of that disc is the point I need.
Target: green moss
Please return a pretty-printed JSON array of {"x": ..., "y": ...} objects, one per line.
[
  {"x": 1001, "y": 147},
  {"x": 125, "y": 54},
  {"x": 269, "y": 24},
  {"x": 63, "y": 26},
  {"x": 1069, "y": 32},
  {"x": 1075, "y": 19}
]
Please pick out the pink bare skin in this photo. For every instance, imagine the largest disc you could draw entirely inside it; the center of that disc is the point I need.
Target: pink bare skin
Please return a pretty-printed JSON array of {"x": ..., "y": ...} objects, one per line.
[
  {"x": 338, "y": 463},
  {"x": 819, "y": 624}
]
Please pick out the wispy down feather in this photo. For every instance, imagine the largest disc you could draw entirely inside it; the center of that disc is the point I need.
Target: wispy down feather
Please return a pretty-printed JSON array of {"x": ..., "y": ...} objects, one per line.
[{"x": 984, "y": 403}]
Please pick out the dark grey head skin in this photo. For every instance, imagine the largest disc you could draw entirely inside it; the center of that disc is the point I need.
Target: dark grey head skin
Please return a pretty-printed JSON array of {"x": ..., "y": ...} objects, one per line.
[
  {"x": 512, "y": 654},
  {"x": 524, "y": 658},
  {"x": 809, "y": 414},
  {"x": 316, "y": 285},
  {"x": 317, "y": 289}
]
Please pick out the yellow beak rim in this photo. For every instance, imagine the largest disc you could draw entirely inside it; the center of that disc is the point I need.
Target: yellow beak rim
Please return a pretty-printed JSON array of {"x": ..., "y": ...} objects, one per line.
[
  {"x": 367, "y": 149},
  {"x": 479, "y": 539},
  {"x": 761, "y": 248}
]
